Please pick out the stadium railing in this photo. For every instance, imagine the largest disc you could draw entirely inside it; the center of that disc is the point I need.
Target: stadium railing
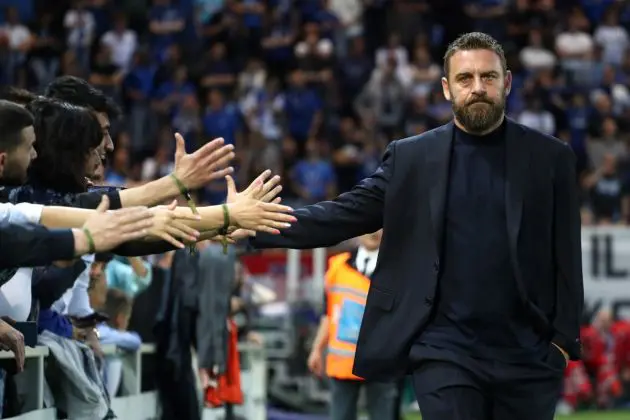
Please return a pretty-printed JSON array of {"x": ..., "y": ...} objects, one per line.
[{"x": 144, "y": 405}]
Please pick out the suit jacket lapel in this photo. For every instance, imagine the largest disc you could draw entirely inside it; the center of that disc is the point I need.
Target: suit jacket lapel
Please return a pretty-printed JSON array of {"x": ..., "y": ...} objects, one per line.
[
  {"x": 437, "y": 152},
  {"x": 516, "y": 167}
]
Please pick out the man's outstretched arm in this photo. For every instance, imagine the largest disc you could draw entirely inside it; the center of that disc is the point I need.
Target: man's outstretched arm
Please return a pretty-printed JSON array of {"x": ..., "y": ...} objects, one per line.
[
  {"x": 352, "y": 214},
  {"x": 192, "y": 171},
  {"x": 35, "y": 245}
]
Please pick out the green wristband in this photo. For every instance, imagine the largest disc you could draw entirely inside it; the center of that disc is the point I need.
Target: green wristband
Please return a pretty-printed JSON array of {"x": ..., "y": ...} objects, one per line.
[{"x": 90, "y": 239}]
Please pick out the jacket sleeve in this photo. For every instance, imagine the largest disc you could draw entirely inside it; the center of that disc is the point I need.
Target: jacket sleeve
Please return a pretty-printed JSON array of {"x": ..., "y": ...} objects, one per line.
[
  {"x": 141, "y": 248},
  {"x": 568, "y": 256},
  {"x": 328, "y": 223},
  {"x": 33, "y": 245},
  {"x": 91, "y": 200}
]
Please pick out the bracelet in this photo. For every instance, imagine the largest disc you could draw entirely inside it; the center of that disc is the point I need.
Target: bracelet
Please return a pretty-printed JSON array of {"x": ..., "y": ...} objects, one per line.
[
  {"x": 189, "y": 200},
  {"x": 90, "y": 239},
  {"x": 224, "y": 230},
  {"x": 185, "y": 192}
]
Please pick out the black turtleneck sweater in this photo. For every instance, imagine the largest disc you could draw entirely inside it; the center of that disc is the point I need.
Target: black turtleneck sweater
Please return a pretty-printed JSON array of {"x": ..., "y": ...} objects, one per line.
[{"x": 478, "y": 312}]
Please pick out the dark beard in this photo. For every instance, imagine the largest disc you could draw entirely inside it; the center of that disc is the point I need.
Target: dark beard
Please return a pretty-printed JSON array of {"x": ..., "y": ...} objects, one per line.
[{"x": 477, "y": 119}]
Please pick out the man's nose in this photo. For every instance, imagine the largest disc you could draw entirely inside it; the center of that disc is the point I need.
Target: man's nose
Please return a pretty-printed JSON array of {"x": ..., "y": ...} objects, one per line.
[
  {"x": 478, "y": 86},
  {"x": 109, "y": 144}
]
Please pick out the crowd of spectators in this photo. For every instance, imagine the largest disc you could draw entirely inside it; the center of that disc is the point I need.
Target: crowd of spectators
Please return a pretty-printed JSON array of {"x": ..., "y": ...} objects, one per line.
[{"x": 315, "y": 89}]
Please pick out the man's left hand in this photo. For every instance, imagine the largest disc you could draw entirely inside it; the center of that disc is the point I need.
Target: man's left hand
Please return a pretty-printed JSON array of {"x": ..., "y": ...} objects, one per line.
[{"x": 209, "y": 163}]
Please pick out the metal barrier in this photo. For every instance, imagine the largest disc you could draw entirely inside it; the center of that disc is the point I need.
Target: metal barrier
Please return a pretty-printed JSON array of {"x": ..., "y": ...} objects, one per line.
[{"x": 144, "y": 405}]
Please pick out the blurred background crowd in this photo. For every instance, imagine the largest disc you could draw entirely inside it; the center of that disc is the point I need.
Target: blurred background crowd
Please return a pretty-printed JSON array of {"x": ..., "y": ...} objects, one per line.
[{"x": 315, "y": 89}]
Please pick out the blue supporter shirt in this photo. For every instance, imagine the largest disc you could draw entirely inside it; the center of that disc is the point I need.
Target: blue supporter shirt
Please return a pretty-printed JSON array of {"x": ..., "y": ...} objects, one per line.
[
  {"x": 314, "y": 177},
  {"x": 224, "y": 123},
  {"x": 164, "y": 14},
  {"x": 300, "y": 106}
]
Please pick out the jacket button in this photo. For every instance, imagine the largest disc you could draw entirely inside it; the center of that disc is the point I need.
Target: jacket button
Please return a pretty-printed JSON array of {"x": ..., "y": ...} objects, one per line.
[
  {"x": 436, "y": 266},
  {"x": 428, "y": 301}
]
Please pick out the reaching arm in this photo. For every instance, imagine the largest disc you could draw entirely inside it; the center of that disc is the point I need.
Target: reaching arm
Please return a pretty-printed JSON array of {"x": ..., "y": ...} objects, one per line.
[
  {"x": 151, "y": 194},
  {"x": 352, "y": 214},
  {"x": 33, "y": 245},
  {"x": 194, "y": 170},
  {"x": 568, "y": 257}
]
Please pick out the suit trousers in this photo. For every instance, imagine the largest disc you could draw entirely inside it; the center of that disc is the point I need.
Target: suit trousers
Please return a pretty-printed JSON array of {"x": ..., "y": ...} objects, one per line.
[
  {"x": 380, "y": 397},
  {"x": 455, "y": 387}
]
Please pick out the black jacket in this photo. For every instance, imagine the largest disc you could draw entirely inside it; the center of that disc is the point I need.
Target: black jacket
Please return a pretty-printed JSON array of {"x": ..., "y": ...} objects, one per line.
[{"x": 406, "y": 196}]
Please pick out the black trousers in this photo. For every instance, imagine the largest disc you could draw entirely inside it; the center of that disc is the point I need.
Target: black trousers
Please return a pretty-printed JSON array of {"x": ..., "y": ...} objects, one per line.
[{"x": 461, "y": 388}]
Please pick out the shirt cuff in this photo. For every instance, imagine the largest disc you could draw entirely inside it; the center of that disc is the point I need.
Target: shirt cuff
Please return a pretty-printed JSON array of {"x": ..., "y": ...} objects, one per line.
[
  {"x": 62, "y": 241},
  {"x": 114, "y": 200}
]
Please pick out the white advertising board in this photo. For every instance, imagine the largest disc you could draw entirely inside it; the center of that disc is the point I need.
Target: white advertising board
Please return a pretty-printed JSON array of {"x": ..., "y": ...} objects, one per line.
[{"x": 606, "y": 269}]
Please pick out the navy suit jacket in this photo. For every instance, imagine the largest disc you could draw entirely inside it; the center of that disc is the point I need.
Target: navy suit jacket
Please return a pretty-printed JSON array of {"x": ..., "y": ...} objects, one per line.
[{"x": 406, "y": 196}]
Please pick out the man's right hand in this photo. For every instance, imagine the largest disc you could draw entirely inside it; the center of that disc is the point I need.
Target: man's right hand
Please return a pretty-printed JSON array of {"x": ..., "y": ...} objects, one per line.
[
  {"x": 112, "y": 228},
  {"x": 12, "y": 340},
  {"x": 315, "y": 364},
  {"x": 256, "y": 208}
]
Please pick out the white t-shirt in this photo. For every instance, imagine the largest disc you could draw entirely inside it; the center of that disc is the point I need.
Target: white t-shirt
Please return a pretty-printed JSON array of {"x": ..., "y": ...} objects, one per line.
[
  {"x": 614, "y": 40},
  {"x": 15, "y": 294},
  {"x": 80, "y": 26},
  {"x": 574, "y": 43},
  {"x": 122, "y": 47},
  {"x": 76, "y": 301},
  {"x": 17, "y": 35}
]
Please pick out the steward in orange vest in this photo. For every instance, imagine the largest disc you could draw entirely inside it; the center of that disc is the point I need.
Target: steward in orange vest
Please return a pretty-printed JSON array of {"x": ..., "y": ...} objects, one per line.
[{"x": 347, "y": 285}]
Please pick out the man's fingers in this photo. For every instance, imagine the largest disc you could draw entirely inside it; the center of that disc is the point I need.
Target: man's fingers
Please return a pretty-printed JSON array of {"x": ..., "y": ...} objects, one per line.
[
  {"x": 140, "y": 227},
  {"x": 231, "y": 186},
  {"x": 221, "y": 174},
  {"x": 182, "y": 231},
  {"x": 276, "y": 224},
  {"x": 267, "y": 229},
  {"x": 260, "y": 179},
  {"x": 170, "y": 239},
  {"x": 18, "y": 348},
  {"x": 135, "y": 215},
  {"x": 210, "y": 147},
  {"x": 219, "y": 160},
  {"x": 180, "y": 146},
  {"x": 268, "y": 186},
  {"x": 103, "y": 206},
  {"x": 277, "y": 200},
  {"x": 173, "y": 205},
  {"x": 278, "y": 209},
  {"x": 271, "y": 195}
]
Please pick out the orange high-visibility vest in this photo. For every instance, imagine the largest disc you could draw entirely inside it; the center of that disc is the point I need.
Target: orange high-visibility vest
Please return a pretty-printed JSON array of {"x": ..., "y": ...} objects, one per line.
[{"x": 347, "y": 291}]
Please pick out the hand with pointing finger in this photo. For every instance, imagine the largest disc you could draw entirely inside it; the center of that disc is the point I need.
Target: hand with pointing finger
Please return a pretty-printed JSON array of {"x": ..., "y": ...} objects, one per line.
[{"x": 209, "y": 163}]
